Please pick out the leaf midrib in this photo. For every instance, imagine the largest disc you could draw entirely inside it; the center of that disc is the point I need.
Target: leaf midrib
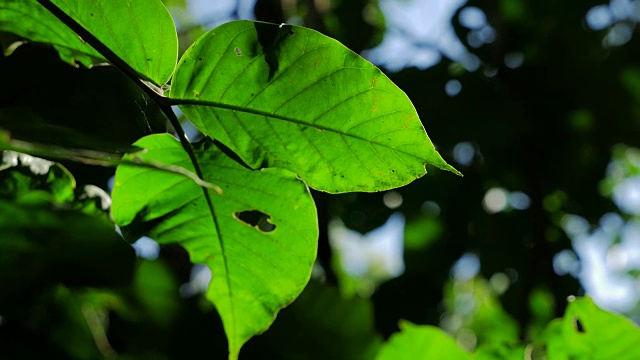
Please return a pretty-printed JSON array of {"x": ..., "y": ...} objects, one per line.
[{"x": 215, "y": 104}]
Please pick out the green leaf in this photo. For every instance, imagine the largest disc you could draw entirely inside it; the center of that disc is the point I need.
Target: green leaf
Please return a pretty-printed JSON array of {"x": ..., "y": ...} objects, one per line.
[
  {"x": 258, "y": 236},
  {"x": 30, "y": 20},
  {"x": 140, "y": 32},
  {"x": 54, "y": 245},
  {"x": 290, "y": 97},
  {"x": 586, "y": 331},
  {"x": 155, "y": 288},
  {"x": 500, "y": 351},
  {"x": 418, "y": 342},
  {"x": 81, "y": 326}
]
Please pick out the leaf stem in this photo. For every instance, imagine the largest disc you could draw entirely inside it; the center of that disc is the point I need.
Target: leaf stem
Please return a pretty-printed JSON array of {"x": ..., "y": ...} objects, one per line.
[
  {"x": 99, "y": 158},
  {"x": 148, "y": 87},
  {"x": 152, "y": 90}
]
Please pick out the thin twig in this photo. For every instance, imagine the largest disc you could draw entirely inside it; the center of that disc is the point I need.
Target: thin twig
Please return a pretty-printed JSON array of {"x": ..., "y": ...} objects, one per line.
[
  {"x": 153, "y": 91},
  {"x": 147, "y": 86},
  {"x": 99, "y": 158}
]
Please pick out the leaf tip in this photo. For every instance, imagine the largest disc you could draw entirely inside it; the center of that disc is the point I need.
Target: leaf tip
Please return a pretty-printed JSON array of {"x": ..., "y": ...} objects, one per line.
[
  {"x": 454, "y": 170},
  {"x": 444, "y": 166}
]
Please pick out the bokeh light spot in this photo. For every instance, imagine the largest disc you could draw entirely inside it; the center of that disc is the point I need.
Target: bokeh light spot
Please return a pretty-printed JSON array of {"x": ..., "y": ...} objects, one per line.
[
  {"x": 466, "y": 268},
  {"x": 472, "y": 17},
  {"x": 452, "y": 87},
  {"x": 495, "y": 200},
  {"x": 392, "y": 199},
  {"x": 463, "y": 153},
  {"x": 566, "y": 262},
  {"x": 519, "y": 200}
]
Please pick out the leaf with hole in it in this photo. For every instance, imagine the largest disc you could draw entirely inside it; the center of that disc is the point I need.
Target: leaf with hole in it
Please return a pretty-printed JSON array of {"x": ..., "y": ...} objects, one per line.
[
  {"x": 419, "y": 342},
  {"x": 140, "y": 32},
  {"x": 258, "y": 237},
  {"x": 290, "y": 97},
  {"x": 588, "y": 332}
]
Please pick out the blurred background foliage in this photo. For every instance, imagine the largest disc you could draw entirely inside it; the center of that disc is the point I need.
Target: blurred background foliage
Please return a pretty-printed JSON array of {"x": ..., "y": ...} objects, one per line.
[{"x": 536, "y": 102}]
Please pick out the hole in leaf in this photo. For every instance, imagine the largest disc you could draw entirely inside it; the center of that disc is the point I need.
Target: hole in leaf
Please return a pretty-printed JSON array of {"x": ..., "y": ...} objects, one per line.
[
  {"x": 238, "y": 51},
  {"x": 578, "y": 325},
  {"x": 256, "y": 219}
]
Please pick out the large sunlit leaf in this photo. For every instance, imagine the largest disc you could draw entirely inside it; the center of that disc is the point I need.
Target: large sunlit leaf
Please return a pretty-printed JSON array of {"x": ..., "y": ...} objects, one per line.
[
  {"x": 140, "y": 32},
  {"x": 588, "y": 332},
  {"x": 421, "y": 342},
  {"x": 258, "y": 238},
  {"x": 290, "y": 97}
]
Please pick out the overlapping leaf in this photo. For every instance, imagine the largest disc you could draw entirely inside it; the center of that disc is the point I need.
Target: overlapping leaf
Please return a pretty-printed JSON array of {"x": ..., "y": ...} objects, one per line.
[
  {"x": 290, "y": 97},
  {"x": 258, "y": 266},
  {"x": 140, "y": 32}
]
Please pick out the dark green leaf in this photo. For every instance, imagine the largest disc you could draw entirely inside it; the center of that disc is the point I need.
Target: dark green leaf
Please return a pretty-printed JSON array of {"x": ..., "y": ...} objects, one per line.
[
  {"x": 290, "y": 97},
  {"x": 52, "y": 234},
  {"x": 259, "y": 263},
  {"x": 320, "y": 324},
  {"x": 155, "y": 287}
]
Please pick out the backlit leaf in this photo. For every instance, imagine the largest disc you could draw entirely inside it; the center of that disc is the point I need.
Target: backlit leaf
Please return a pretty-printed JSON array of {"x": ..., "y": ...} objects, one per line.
[
  {"x": 421, "y": 343},
  {"x": 258, "y": 237},
  {"x": 290, "y": 97},
  {"x": 586, "y": 331},
  {"x": 30, "y": 20},
  {"x": 140, "y": 32}
]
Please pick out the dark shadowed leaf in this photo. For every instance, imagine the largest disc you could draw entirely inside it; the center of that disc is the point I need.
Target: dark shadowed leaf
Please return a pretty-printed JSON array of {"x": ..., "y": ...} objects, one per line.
[
  {"x": 320, "y": 319},
  {"x": 49, "y": 235}
]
